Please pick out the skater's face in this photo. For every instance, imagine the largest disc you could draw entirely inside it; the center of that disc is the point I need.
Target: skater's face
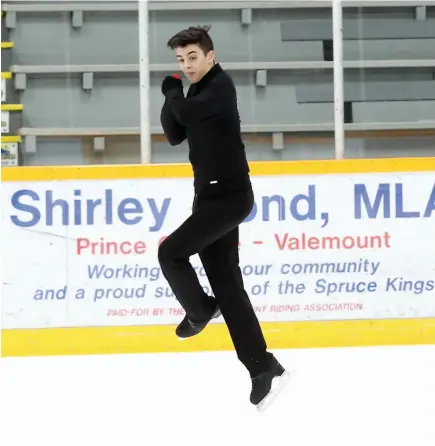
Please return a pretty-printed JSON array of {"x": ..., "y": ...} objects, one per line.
[{"x": 194, "y": 63}]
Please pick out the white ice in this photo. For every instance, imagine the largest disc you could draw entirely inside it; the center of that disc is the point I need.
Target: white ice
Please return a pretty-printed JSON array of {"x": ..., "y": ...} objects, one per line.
[{"x": 337, "y": 397}]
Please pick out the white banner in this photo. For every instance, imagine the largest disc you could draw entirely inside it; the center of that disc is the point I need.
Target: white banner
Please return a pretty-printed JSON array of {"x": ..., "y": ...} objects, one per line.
[
  {"x": 3, "y": 90},
  {"x": 321, "y": 247},
  {"x": 5, "y": 121},
  {"x": 9, "y": 154}
]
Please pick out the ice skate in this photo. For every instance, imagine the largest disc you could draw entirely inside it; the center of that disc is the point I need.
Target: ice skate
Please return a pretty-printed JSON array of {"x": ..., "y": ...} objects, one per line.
[
  {"x": 267, "y": 385},
  {"x": 188, "y": 328}
]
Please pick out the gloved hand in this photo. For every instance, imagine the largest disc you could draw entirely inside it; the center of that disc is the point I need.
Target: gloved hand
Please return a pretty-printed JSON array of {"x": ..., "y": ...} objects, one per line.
[{"x": 171, "y": 82}]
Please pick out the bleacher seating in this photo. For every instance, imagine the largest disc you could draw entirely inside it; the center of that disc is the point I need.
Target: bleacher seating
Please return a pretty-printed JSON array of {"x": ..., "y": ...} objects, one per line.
[{"x": 75, "y": 70}]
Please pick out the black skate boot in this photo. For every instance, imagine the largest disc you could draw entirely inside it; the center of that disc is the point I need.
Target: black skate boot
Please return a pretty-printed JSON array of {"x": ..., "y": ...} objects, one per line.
[
  {"x": 267, "y": 385},
  {"x": 188, "y": 328}
]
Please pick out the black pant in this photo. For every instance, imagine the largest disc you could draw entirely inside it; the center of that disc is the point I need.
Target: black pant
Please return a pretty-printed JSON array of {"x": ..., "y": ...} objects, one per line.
[{"x": 212, "y": 231}]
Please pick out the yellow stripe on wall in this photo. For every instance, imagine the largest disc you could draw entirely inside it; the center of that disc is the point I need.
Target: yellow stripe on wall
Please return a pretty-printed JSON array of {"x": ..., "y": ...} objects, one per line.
[
  {"x": 12, "y": 107},
  {"x": 136, "y": 171},
  {"x": 10, "y": 138},
  {"x": 156, "y": 339}
]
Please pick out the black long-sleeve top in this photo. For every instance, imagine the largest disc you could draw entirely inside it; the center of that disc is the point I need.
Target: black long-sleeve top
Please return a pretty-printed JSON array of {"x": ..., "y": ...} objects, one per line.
[{"x": 209, "y": 118}]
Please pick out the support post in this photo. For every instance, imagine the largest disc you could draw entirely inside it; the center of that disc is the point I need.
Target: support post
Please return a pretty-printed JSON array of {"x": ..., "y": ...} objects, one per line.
[
  {"x": 144, "y": 80},
  {"x": 337, "y": 23}
]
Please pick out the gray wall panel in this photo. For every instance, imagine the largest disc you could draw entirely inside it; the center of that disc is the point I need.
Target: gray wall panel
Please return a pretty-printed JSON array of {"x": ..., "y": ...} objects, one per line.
[
  {"x": 368, "y": 91},
  {"x": 394, "y": 111},
  {"x": 59, "y": 101},
  {"x": 355, "y": 29},
  {"x": 388, "y": 49}
]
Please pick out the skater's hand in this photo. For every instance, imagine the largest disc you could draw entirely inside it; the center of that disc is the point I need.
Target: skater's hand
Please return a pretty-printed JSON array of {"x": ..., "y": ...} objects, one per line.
[{"x": 171, "y": 82}]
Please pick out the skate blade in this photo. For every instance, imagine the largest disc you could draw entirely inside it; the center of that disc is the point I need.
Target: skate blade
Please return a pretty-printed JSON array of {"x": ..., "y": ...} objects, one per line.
[{"x": 278, "y": 384}]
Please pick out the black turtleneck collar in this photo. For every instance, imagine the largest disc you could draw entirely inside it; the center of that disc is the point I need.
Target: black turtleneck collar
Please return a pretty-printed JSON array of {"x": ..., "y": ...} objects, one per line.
[{"x": 214, "y": 70}]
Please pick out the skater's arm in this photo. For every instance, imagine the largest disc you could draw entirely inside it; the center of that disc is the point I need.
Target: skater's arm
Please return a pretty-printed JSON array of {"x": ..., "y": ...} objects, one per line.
[
  {"x": 174, "y": 131},
  {"x": 213, "y": 101}
]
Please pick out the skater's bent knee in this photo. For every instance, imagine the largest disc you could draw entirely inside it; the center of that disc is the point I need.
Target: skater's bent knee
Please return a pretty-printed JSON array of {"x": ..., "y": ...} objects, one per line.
[
  {"x": 171, "y": 251},
  {"x": 164, "y": 252}
]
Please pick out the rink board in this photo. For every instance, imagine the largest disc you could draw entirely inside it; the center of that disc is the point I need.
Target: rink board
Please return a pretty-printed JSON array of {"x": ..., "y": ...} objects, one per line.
[
  {"x": 22, "y": 336},
  {"x": 160, "y": 339}
]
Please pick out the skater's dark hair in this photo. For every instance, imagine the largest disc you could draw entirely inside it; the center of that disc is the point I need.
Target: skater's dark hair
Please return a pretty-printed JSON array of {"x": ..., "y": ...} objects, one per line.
[{"x": 194, "y": 35}]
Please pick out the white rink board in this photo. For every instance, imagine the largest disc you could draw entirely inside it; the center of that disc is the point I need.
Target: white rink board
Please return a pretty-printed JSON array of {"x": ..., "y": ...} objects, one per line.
[{"x": 300, "y": 255}]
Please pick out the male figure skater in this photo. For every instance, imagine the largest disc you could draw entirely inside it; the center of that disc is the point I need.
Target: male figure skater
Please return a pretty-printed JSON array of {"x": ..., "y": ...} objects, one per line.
[{"x": 208, "y": 117}]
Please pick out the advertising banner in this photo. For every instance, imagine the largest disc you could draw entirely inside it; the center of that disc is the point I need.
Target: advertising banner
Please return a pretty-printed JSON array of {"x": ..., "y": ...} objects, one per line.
[
  {"x": 3, "y": 87},
  {"x": 5, "y": 121},
  {"x": 9, "y": 154},
  {"x": 315, "y": 247}
]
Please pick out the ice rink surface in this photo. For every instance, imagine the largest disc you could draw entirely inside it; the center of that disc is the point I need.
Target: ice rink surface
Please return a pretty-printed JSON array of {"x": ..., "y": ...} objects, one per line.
[{"x": 337, "y": 397}]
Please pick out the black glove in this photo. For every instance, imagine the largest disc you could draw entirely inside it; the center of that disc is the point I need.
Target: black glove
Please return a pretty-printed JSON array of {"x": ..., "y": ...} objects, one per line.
[{"x": 171, "y": 82}]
